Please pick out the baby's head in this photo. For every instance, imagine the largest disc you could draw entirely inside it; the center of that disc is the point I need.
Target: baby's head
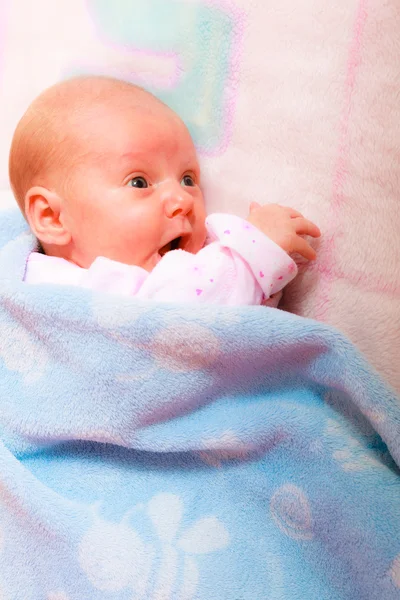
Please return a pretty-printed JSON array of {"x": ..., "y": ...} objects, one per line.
[{"x": 101, "y": 167}]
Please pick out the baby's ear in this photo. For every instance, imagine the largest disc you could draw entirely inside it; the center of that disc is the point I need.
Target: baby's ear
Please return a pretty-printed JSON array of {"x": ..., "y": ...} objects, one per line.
[{"x": 42, "y": 209}]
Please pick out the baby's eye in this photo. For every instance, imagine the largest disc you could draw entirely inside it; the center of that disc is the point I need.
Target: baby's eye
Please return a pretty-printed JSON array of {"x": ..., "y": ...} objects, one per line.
[
  {"x": 187, "y": 180},
  {"x": 138, "y": 182}
]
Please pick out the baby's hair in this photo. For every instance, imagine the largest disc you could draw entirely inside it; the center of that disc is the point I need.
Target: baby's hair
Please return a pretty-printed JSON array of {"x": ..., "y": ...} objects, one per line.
[{"x": 45, "y": 136}]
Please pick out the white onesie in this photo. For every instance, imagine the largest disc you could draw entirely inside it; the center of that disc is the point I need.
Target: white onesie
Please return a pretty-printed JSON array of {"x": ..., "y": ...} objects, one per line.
[{"x": 238, "y": 265}]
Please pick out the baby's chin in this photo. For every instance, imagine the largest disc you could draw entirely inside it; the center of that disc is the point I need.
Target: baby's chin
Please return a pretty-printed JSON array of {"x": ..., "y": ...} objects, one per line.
[
  {"x": 152, "y": 261},
  {"x": 149, "y": 263},
  {"x": 194, "y": 245}
]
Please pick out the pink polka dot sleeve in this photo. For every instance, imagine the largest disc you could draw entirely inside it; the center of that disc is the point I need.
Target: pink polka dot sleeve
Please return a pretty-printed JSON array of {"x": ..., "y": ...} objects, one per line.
[{"x": 271, "y": 266}]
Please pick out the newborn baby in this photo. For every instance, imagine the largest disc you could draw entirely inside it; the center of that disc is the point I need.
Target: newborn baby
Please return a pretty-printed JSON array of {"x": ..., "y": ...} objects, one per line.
[{"x": 108, "y": 179}]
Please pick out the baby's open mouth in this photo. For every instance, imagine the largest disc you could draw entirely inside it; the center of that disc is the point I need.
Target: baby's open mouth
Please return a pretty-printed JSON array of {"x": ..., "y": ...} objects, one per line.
[{"x": 172, "y": 245}]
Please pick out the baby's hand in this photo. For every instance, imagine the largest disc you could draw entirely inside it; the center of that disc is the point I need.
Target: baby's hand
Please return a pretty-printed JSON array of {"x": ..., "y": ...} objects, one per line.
[{"x": 284, "y": 226}]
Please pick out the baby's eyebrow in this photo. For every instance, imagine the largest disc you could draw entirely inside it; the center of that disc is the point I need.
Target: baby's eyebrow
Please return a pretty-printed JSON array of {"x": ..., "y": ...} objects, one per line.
[
  {"x": 131, "y": 159},
  {"x": 136, "y": 158},
  {"x": 132, "y": 156},
  {"x": 112, "y": 161}
]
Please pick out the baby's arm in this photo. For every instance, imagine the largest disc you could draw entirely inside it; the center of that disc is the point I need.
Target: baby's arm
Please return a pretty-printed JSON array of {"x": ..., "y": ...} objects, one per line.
[{"x": 239, "y": 266}]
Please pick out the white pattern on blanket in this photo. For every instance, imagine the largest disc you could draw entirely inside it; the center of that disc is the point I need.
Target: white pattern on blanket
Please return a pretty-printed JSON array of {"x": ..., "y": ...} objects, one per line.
[{"x": 187, "y": 452}]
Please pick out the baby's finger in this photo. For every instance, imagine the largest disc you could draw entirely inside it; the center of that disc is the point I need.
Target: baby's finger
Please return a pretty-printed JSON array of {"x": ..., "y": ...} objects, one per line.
[
  {"x": 306, "y": 227},
  {"x": 254, "y": 206},
  {"x": 303, "y": 248},
  {"x": 294, "y": 214}
]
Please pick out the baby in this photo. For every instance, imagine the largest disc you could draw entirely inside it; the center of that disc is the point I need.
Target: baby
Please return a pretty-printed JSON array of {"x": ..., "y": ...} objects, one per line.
[{"x": 108, "y": 179}]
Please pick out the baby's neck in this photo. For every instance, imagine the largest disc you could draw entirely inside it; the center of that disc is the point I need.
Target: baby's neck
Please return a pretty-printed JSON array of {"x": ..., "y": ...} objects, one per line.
[
  {"x": 40, "y": 248},
  {"x": 56, "y": 251}
]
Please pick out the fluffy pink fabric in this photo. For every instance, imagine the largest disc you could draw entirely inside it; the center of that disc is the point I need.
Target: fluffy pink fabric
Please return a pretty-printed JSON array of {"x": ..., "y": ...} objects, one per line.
[{"x": 318, "y": 128}]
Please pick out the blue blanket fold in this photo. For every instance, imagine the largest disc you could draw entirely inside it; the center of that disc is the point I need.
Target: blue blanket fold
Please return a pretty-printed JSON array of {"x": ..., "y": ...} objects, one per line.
[{"x": 170, "y": 452}]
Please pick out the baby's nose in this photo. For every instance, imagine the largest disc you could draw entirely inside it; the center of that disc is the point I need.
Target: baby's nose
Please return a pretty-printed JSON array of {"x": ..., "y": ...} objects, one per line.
[{"x": 178, "y": 202}]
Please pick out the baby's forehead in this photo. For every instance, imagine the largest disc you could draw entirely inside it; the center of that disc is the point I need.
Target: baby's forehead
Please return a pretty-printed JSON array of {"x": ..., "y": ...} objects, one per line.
[
  {"x": 127, "y": 116},
  {"x": 119, "y": 129},
  {"x": 122, "y": 145}
]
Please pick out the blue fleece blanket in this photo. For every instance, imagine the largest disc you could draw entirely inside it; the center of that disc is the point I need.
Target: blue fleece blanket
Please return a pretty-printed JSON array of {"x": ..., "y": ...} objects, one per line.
[{"x": 165, "y": 452}]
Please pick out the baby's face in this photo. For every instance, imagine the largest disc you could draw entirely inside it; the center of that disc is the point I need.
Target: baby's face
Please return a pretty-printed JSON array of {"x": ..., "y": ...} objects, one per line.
[{"x": 134, "y": 193}]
